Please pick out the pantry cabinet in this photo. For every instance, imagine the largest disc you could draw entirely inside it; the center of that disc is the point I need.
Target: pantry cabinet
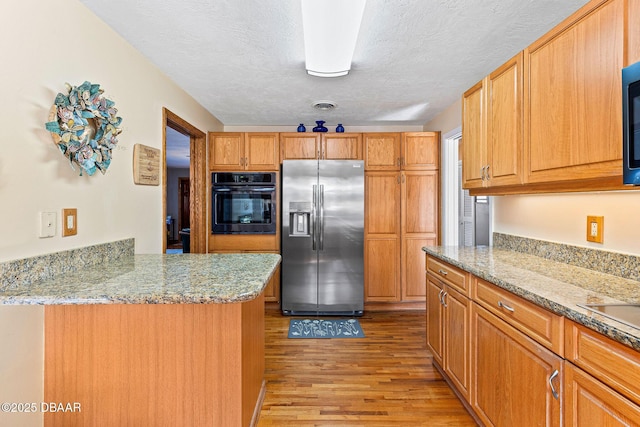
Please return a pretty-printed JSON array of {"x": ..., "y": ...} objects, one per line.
[
  {"x": 323, "y": 146},
  {"x": 382, "y": 151},
  {"x": 419, "y": 211},
  {"x": 234, "y": 151},
  {"x": 382, "y": 236},
  {"x": 420, "y": 151},
  {"x": 402, "y": 213}
]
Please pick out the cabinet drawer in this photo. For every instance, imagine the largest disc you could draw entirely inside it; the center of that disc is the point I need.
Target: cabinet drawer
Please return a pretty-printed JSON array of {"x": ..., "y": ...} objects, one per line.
[
  {"x": 538, "y": 323},
  {"x": 453, "y": 276},
  {"x": 614, "y": 364}
]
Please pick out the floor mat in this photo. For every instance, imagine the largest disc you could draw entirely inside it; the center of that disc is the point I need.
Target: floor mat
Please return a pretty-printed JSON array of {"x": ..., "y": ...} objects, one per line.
[{"x": 325, "y": 328}]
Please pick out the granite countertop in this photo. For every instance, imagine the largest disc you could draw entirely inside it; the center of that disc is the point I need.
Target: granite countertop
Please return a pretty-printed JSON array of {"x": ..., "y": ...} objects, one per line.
[
  {"x": 553, "y": 285},
  {"x": 155, "y": 279}
]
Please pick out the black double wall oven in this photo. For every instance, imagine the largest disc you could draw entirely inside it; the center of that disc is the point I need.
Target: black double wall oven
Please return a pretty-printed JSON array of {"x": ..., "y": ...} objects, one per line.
[{"x": 243, "y": 203}]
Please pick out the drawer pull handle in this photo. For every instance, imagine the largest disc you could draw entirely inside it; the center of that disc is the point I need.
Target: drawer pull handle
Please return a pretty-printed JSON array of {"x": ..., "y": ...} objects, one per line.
[
  {"x": 441, "y": 271},
  {"x": 505, "y": 306},
  {"x": 553, "y": 389}
]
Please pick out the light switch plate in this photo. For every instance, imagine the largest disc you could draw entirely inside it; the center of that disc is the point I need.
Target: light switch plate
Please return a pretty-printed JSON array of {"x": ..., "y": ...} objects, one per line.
[
  {"x": 69, "y": 222},
  {"x": 595, "y": 229},
  {"x": 47, "y": 224}
]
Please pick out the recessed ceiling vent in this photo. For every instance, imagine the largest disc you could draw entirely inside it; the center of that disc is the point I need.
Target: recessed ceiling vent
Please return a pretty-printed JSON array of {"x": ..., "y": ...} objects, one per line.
[{"x": 324, "y": 105}]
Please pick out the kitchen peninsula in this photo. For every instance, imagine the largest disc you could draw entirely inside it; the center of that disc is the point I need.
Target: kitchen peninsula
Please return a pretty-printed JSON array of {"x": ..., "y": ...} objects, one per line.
[{"x": 155, "y": 339}]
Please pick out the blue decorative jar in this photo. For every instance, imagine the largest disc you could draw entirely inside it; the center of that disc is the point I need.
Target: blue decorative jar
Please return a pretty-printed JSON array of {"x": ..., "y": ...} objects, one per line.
[
  {"x": 339, "y": 128},
  {"x": 320, "y": 127},
  {"x": 301, "y": 128}
]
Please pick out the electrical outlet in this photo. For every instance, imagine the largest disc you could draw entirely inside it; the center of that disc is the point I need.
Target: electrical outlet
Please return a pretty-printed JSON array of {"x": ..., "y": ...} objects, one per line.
[
  {"x": 69, "y": 222},
  {"x": 595, "y": 229}
]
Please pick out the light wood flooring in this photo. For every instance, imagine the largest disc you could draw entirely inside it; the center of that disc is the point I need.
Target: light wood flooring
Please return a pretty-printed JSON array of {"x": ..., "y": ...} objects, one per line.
[{"x": 384, "y": 379}]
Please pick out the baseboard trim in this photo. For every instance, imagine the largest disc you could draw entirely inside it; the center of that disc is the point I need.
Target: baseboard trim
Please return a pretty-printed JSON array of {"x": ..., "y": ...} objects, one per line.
[{"x": 256, "y": 411}]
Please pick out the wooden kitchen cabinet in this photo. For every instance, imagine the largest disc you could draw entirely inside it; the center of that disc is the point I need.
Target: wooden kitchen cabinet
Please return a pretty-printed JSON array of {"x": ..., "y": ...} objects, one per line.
[
  {"x": 516, "y": 381},
  {"x": 420, "y": 150},
  {"x": 572, "y": 79},
  {"x": 341, "y": 146},
  {"x": 299, "y": 146},
  {"x": 323, "y": 146},
  {"x": 235, "y": 151},
  {"x": 492, "y": 128},
  {"x": 402, "y": 151},
  {"x": 401, "y": 194},
  {"x": 545, "y": 327},
  {"x": 382, "y": 237},
  {"x": 382, "y": 151},
  {"x": 473, "y": 136},
  {"x": 448, "y": 326},
  {"x": 588, "y": 402},
  {"x": 419, "y": 227},
  {"x": 611, "y": 362}
]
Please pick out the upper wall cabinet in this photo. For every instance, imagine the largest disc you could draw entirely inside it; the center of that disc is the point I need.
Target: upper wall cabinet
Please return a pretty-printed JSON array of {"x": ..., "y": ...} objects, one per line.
[
  {"x": 341, "y": 146},
  {"x": 492, "y": 128},
  {"x": 573, "y": 82},
  {"x": 550, "y": 120},
  {"x": 231, "y": 151},
  {"x": 323, "y": 146}
]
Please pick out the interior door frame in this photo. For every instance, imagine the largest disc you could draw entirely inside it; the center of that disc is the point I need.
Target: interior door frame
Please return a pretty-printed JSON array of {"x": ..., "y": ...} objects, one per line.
[
  {"x": 450, "y": 187},
  {"x": 198, "y": 176}
]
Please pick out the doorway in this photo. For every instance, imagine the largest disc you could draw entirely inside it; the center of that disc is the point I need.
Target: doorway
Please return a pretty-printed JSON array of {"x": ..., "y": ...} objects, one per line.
[
  {"x": 184, "y": 186},
  {"x": 466, "y": 220}
]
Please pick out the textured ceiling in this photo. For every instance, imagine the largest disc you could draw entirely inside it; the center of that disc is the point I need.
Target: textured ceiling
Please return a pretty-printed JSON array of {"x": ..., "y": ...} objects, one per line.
[{"x": 244, "y": 60}]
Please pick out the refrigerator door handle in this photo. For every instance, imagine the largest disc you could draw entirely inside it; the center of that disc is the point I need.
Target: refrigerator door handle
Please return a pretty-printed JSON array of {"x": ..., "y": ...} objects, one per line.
[
  {"x": 321, "y": 234},
  {"x": 313, "y": 217}
]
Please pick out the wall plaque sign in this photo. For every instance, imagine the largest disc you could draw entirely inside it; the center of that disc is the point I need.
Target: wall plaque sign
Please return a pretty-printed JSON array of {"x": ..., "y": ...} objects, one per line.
[{"x": 146, "y": 165}]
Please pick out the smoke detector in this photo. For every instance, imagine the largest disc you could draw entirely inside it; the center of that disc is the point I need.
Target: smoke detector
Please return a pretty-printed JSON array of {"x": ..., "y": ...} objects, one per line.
[{"x": 324, "y": 105}]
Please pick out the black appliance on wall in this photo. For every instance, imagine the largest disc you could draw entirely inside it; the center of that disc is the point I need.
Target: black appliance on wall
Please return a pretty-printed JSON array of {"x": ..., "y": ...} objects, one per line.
[
  {"x": 631, "y": 124},
  {"x": 243, "y": 203}
]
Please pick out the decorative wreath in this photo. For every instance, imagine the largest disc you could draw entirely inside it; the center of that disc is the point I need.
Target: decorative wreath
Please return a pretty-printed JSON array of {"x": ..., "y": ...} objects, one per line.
[{"x": 85, "y": 127}]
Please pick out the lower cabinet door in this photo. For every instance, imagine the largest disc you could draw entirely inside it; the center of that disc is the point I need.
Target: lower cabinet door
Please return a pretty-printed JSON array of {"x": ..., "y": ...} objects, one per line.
[
  {"x": 457, "y": 316},
  {"x": 588, "y": 402},
  {"x": 435, "y": 318},
  {"x": 517, "y": 381}
]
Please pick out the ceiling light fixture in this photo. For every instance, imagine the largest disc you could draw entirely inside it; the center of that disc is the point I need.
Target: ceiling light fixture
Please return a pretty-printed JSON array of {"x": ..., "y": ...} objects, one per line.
[{"x": 330, "y": 32}]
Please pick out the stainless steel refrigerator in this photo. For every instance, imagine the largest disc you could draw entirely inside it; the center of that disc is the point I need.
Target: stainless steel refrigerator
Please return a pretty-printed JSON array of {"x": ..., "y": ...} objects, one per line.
[{"x": 323, "y": 237}]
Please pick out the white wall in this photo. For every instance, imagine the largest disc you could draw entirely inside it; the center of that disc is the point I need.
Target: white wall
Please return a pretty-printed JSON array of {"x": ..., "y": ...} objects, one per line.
[
  {"x": 45, "y": 44},
  {"x": 560, "y": 217},
  {"x": 21, "y": 362}
]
